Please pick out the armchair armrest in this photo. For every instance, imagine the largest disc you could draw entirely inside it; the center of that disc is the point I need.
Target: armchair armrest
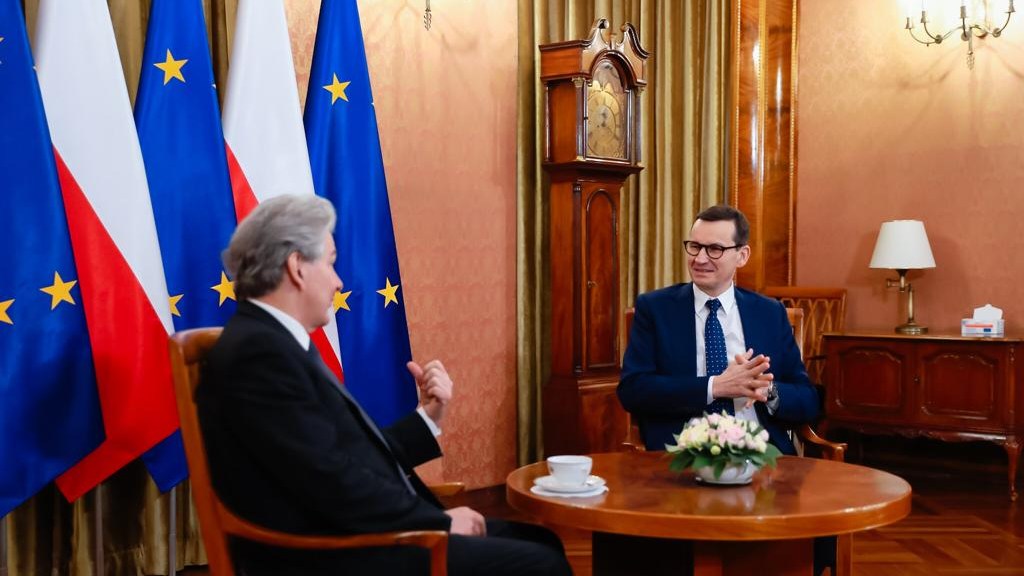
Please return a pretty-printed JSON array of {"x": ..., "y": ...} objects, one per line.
[
  {"x": 446, "y": 489},
  {"x": 633, "y": 443},
  {"x": 829, "y": 450}
]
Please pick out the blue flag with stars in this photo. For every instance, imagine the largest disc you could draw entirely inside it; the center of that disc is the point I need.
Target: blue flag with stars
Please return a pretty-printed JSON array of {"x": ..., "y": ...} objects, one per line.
[
  {"x": 348, "y": 170},
  {"x": 182, "y": 142},
  {"x": 49, "y": 413}
]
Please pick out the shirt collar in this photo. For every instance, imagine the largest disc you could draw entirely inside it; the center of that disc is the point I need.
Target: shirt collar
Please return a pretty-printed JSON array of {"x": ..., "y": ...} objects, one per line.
[
  {"x": 727, "y": 298},
  {"x": 293, "y": 326}
]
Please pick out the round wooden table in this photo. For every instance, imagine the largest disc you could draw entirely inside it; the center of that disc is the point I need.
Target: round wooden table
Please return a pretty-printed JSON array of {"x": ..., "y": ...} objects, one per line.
[{"x": 766, "y": 527}]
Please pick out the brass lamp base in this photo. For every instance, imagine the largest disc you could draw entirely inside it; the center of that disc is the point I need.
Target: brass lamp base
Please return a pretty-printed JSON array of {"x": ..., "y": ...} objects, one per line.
[{"x": 912, "y": 329}]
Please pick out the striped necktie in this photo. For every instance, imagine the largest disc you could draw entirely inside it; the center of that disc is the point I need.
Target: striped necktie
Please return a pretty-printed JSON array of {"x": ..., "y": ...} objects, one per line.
[{"x": 715, "y": 357}]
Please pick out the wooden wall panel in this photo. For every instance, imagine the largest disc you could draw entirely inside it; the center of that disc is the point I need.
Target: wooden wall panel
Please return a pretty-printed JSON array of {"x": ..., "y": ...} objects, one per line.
[{"x": 763, "y": 161}]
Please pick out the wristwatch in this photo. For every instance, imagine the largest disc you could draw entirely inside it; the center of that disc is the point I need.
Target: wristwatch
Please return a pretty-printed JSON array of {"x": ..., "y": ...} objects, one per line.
[{"x": 773, "y": 393}]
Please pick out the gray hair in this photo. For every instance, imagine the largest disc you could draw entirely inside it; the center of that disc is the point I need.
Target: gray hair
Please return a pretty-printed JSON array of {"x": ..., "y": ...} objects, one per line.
[{"x": 261, "y": 244}]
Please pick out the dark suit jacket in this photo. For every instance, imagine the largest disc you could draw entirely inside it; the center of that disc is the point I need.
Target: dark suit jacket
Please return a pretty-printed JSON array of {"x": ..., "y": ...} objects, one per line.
[
  {"x": 660, "y": 386},
  {"x": 288, "y": 450}
]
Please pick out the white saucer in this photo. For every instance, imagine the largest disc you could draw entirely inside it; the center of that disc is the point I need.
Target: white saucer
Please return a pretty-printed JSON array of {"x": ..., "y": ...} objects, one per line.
[
  {"x": 590, "y": 492},
  {"x": 550, "y": 484}
]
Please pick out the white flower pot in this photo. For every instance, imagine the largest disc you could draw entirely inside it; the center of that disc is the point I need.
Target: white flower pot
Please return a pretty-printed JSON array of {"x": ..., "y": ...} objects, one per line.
[{"x": 732, "y": 474}]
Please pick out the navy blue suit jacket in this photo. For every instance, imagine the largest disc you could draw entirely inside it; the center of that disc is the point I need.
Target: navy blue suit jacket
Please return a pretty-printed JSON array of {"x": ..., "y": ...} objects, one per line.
[{"x": 660, "y": 386}]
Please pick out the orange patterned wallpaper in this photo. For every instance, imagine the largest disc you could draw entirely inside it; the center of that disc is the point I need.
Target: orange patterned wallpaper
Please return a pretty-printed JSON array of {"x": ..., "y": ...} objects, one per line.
[
  {"x": 891, "y": 129},
  {"x": 446, "y": 109}
]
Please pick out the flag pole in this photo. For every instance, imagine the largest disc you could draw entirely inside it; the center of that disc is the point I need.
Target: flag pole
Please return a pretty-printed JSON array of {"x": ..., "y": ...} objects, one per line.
[
  {"x": 98, "y": 530},
  {"x": 172, "y": 537},
  {"x": 3, "y": 546}
]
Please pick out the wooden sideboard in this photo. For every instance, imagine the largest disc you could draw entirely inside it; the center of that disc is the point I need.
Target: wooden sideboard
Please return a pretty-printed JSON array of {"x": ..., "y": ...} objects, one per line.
[{"x": 942, "y": 386}]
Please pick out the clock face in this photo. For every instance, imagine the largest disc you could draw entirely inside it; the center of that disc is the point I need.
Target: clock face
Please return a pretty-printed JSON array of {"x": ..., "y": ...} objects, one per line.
[{"x": 606, "y": 113}]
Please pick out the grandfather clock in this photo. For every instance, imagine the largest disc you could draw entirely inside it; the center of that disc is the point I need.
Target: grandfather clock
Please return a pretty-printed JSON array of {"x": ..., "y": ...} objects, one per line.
[{"x": 592, "y": 127}]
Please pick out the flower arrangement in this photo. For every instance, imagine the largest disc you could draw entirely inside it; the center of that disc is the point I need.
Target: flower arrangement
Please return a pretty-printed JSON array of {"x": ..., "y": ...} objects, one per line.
[{"x": 721, "y": 440}]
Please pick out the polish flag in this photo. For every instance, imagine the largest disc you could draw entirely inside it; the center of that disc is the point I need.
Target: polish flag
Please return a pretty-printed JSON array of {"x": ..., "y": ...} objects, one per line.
[
  {"x": 266, "y": 141},
  {"x": 113, "y": 234}
]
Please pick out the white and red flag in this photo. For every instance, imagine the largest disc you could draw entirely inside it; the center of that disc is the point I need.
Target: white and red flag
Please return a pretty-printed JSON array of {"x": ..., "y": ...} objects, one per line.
[
  {"x": 113, "y": 235},
  {"x": 266, "y": 142}
]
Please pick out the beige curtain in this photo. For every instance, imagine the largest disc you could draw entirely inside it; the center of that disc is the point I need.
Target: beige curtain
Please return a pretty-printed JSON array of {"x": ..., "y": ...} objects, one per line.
[
  {"x": 46, "y": 535},
  {"x": 683, "y": 147}
]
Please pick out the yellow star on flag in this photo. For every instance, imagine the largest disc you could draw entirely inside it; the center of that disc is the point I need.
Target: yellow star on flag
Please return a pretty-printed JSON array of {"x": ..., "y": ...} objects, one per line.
[
  {"x": 173, "y": 300},
  {"x": 337, "y": 89},
  {"x": 341, "y": 301},
  {"x": 3, "y": 311},
  {"x": 389, "y": 292},
  {"x": 59, "y": 291},
  {"x": 171, "y": 68},
  {"x": 226, "y": 289}
]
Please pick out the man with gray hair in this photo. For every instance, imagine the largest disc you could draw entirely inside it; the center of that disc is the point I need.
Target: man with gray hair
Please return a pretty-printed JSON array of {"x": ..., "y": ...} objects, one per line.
[{"x": 291, "y": 449}]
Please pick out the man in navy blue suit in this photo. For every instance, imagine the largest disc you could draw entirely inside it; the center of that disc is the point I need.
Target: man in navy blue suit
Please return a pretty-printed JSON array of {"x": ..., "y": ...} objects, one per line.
[
  {"x": 675, "y": 367},
  {"x": 709, "y": 346}
]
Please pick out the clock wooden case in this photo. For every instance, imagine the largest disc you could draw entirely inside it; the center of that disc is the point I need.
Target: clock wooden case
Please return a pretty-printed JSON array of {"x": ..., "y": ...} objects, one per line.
[{"x": 592, "y": 126}]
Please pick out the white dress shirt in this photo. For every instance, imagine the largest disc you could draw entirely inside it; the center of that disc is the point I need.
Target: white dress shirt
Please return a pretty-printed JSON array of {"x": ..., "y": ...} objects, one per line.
[
  {"x": 732, "y": 327},
  {"x": 295, "y": 328}
]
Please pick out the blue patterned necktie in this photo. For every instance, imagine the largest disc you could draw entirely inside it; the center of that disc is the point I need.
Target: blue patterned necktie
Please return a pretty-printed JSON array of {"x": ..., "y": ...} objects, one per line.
[{"x": 715, "y": 357}]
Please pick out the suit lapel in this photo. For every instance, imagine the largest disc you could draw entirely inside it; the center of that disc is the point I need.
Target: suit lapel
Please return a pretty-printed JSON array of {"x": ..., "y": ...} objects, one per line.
[
  {"x": 312, "y": 356},
  {"x": 752, "y": 329},
  {"x": 353, "y": 405},
  {"x": 252, "y": 311},
  {"x": 685, "y": 321}
]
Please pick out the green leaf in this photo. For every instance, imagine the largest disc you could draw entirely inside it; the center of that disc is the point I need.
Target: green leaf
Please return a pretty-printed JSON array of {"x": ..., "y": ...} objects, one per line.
[
  {"x": 701, "y": 460},
  {"x": 719, "y": 467}
]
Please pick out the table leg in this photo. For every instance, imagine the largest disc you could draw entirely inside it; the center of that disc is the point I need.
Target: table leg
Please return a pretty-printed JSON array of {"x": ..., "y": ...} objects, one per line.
[
  {"x": 620, "y": 555},
  {"x": 1012, "y": 447},
  {"x": 761, "y": 557},
  {"x": 844, "y": 555}
]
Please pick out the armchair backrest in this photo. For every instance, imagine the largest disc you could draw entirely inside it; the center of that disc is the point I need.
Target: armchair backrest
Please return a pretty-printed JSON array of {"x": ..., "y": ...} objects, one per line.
[
  {"x": 188, "y": 350},
  {"x": 824, "y": 311},
  {"x": 796, "y": 320}
]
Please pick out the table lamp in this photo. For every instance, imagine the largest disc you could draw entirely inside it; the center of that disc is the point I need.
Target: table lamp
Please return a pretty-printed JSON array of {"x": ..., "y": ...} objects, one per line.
[{"x": 903, "y": 245}]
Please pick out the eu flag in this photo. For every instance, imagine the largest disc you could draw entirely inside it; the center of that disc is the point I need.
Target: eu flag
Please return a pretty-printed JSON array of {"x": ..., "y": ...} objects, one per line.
[
  {"x": 182, "y": 142},
  {"x": 344, "y": 151},
  {"x": 50, "y": 413}
]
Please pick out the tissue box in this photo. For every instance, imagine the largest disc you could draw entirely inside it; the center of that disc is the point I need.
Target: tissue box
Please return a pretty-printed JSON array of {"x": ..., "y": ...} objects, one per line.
[{"x": 972, "y": 327}]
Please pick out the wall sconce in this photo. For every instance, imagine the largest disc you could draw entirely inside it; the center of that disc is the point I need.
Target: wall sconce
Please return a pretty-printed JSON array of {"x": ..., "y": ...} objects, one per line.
[
  {"x": 969, "y": 29},
  {"x": 903, "y": 245}
]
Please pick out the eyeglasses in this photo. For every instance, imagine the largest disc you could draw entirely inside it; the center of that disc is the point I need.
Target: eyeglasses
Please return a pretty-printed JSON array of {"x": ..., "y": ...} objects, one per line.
[{"x": 714, "y": 251}]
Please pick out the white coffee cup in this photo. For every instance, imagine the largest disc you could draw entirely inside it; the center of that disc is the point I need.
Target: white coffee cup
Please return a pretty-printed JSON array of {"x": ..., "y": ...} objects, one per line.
[{"x": 570, "y": 470}]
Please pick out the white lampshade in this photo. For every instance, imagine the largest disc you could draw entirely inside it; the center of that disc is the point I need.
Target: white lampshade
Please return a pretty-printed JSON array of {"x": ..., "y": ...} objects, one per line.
[{"x": 902, "y": 245}]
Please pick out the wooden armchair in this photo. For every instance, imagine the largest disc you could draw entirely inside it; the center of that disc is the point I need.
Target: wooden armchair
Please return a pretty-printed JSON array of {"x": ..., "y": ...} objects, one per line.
[
  {"x": 188, "y": 349},
  {"x": 805, "y": 435}
]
